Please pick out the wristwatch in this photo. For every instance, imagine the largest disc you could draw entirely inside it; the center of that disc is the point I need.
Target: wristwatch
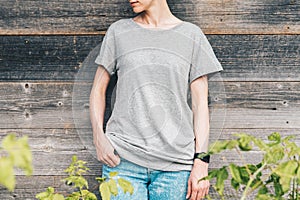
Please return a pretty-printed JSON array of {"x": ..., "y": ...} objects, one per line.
[{"x": 202, "y": 156}]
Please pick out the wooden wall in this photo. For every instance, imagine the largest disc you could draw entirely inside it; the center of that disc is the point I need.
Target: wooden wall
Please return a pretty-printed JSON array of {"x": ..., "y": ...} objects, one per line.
[{"x": 44, "y": 43}]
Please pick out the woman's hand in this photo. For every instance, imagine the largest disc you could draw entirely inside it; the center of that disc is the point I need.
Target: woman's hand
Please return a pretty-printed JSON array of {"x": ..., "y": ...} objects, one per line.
[
  {"x": 197, "y": 191},
  {"x": 105, "y": 151}
]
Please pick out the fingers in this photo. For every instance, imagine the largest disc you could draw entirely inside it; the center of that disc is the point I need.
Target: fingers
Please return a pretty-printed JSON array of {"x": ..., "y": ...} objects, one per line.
[
  {"x": 194, "y": 192},
  {"x": 199, "y": 190},
  {"x": 106, "y": 152},
  {"x": 189, "y": 189},
  {"x": 202, "y": 190},
  {"x": 115, "y": 159},
  {"x": 207, "y": 188},
  {"x": 110, "y": 159}
]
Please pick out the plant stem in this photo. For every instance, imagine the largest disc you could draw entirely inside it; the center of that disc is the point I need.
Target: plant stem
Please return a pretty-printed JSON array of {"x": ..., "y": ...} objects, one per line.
[
  {"x": 293, "y": 189},
  {"x": 245, "y": 193},
  {"x": 297, "y": 193}
]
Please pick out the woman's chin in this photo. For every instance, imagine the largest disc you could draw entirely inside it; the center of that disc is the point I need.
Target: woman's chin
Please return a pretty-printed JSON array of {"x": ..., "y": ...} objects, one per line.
[{"x": 137, "y": 10}]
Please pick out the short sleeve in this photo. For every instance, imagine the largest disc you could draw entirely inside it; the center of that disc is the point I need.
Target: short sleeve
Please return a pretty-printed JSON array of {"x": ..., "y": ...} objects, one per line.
[
  {"x": 106, "y": 56},
  {"x": 204, "y": 60}
]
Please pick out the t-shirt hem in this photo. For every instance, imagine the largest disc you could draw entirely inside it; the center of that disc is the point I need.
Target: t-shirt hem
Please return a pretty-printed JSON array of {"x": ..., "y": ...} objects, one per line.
[{"x": 127, "y": 155}]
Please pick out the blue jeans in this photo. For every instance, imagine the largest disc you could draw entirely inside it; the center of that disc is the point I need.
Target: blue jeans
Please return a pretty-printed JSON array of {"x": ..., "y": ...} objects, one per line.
[{"x": 148, "y": 183}]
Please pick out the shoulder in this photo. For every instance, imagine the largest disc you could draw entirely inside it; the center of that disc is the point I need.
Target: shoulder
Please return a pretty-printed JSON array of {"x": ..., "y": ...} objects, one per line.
[
  {"x": 193, "y": 31},
  {"x": 119, "y": 25},
  {"x": 194, "y": 28}
]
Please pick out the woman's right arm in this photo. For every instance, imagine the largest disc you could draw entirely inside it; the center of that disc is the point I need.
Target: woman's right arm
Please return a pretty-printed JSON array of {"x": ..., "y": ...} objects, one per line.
[{"x": 104, "y": 149}]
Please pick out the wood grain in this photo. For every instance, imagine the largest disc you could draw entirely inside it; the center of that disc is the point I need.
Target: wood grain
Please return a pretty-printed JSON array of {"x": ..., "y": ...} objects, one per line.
[
  {"x": 53, "y": 149},
  {"x": 46, "y": 71},
  {"x": 239, "y": 105},
  {"x": 93, "y": 17},
  {"x": 61, "y": 58},
  {"x": 28, "y": 187}
]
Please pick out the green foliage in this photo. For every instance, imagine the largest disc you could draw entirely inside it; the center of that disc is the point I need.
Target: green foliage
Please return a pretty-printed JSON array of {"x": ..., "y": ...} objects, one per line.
[
  {"x": 18, "y": 154},
  {"x": 49, "y": 195},
  {"x": 110, "y": 187},
  {"x": 279, "y": 167},
  {"x": 75, "y": 171},
  {"x": 107, "y": 185}
]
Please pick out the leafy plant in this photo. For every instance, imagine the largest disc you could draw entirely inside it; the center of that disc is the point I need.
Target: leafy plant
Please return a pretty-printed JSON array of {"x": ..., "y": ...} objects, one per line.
[
  {"x": 107, "y": 185},
  {"x": 279, "y": 168},
  {"x": 14, "y": 153}
]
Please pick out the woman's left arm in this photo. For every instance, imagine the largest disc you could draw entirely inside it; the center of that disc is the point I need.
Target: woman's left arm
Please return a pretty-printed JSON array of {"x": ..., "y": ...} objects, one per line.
[{"x": 199, "y": 93}]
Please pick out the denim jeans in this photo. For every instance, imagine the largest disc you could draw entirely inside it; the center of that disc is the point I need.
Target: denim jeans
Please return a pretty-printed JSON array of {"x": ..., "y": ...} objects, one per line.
[{"x": 148, "y": 183}]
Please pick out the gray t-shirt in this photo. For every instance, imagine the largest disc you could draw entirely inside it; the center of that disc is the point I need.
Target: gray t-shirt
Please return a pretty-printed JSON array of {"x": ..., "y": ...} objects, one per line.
[{"x": 151, "y": 122}]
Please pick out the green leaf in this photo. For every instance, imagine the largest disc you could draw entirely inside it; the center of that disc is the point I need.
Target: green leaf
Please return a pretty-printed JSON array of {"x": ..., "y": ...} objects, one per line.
[
  {"x": 274, "y": 154},
  {"x": 74, "y": 158},
  {"x": 19, "y": 152},
  {"x": 245, "y": 176},
  {"x": 101, "y": 179},
  {"x": 244, "y": 142},
  {"x": 231, "y": 144},
  {"x": 49, "y": 195},
  {"x": 256, "y": 184},
  {"x": 263, "y": 190},
  {"x": 298, "y": 173},
  {"x": 253, "y": 168},
  {"x": 113, "y": 187},
  {"x": 87, "y": 195},
  {"x": 260, "y": 144},
  {"x": 235, "y": 172},
  {"x": 219, "y": 146},
  {"x": 213, "y": 173},
  {"x": 42, "y": 195},
  {"x": 221, "y": 177},
  {"x": 105, "y": 191},
  {"x": 58, "y": 197},
  {"x": 7, "y": 177},
  {"x": 112, "y": 174},
  {"x": 284, "y": 185},
  {"x": 74, "y": 196},
  {"x": 125, "y": 185},
  {"x": 275, "y": 136},
  {"x": 50, "y": 190},
  {"x": 78, "y": 181},
  {"x": 279, "y": 188},
  {"x": 263, "y": 197},
  {"x": 235, "y": 184},
  {"x": 287, "y": 169}
]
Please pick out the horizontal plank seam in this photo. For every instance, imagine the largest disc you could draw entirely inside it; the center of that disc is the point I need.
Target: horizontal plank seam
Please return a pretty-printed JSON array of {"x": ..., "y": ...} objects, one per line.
[
  {"x": 103, "y": 33},
  {"x": 72, "y": 82}
]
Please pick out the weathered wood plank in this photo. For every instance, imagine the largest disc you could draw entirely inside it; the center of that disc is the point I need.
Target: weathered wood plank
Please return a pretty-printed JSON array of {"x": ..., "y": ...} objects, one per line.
[
  {"x": 28, "y": 187},
  {"x": 56, "y": 58},
  {"x": 227, "y": 118},
  {"x": 53, "y": 148},
  {"x": 48, "y": 171},
  {"x": 47, "y": 140},
  {"x": 49, "y": 105},
  {"x": 48, "y": 58},
  {"x": 53, "y": 161},
  {"x": 93, "y": 17}
]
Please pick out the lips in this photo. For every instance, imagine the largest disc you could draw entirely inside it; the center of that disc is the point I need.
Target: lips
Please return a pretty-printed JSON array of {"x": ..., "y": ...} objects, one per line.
[{"x": 133, "y": 3}]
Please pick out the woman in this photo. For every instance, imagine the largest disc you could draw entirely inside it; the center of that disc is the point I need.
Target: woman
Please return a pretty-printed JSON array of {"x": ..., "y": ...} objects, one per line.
[{"x": 153, "y": 138}]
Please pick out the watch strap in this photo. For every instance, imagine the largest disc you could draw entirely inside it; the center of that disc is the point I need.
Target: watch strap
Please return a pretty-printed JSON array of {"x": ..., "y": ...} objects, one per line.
[{"x": 205, "y": 157}]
